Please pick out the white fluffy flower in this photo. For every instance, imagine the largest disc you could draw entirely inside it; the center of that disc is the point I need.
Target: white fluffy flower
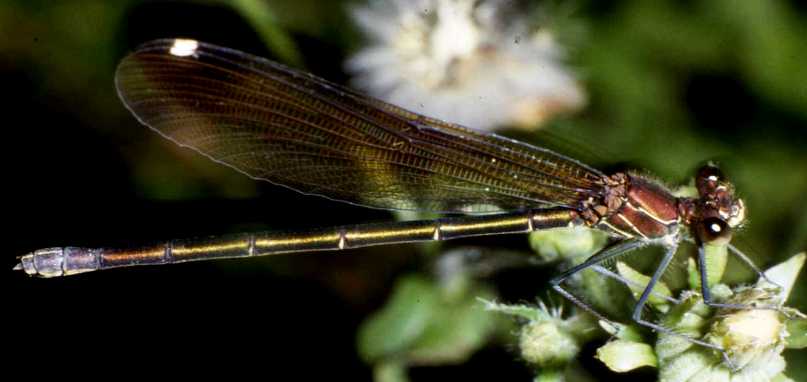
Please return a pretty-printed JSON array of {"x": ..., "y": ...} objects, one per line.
[{"x": 462, "y": 61}]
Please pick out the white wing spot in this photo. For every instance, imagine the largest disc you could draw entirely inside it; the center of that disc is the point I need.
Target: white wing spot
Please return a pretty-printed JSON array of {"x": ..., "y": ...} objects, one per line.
[{"x": 184, "y": 47}]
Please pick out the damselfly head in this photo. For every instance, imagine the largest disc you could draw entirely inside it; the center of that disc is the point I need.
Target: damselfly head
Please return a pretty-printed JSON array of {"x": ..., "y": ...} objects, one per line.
[
  {"x": 718, "y": 210},
  {"x": 708, "y": 178}
]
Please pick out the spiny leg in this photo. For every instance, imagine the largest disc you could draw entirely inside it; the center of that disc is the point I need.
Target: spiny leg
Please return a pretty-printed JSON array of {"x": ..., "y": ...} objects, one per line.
[
  {"x": 707, "y": 292},
  {"x": 604, "y": 254},
  {"x": 747, "y": 260},
  {"x": 639, "y": 308},
  {"x": 628, "y": 283}
]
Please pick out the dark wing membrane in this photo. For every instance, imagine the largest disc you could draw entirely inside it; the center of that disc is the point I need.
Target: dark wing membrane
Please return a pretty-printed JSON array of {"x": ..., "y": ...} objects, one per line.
[{"x": 294, "y": 129}]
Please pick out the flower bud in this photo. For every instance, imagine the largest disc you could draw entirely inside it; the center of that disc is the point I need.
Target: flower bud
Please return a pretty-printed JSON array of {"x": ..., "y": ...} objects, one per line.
[
  {"x": 748, "y": 334},
  {"x": 752, "y": 338},
  {"x": 546, "y": 344}
]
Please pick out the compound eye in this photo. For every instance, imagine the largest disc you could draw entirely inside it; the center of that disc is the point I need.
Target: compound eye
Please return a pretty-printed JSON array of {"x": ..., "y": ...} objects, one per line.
[
  {"x": 714, "y": 231},
  {"x": 708, "y": 178}
]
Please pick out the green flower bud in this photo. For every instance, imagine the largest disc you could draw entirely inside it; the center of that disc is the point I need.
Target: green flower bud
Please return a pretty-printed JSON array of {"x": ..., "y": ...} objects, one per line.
[
  {"x": 548, "y": 341},
  {"x": 752, "y": 334},
  {"x": 546, "y": 344}
]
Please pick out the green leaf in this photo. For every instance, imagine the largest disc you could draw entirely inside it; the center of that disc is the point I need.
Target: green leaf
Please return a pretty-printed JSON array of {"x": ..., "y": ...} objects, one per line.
[
  {"x": 455, "y": 331},
  {"x": 400, "y": 323},
  {"x": 638, "y": 283},
  {"x": 781, "y": 378},
  {"x": 604, "y": 293},
  {"x": 622, "y": 331},
  {"x": 421, "y": 325},
  {"x": 532, "y": 313},
  {"x": 797, "y": 330},
  {"x": 550, "y": 375},
  {"x": 716, "y": 259},
  {"x": 785, "y": 274},
  {"x": 390, "y": 371},
  {"x": 621, "y": 356},
  {"x": 683, "y": 367}
]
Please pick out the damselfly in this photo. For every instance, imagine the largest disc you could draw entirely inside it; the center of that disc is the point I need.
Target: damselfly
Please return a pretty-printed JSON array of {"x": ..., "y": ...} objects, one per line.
[{"x": 293, "y": 129}]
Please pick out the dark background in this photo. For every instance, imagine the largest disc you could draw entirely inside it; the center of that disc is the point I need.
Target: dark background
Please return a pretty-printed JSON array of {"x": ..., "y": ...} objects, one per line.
[{"x": 671, "y": 85}]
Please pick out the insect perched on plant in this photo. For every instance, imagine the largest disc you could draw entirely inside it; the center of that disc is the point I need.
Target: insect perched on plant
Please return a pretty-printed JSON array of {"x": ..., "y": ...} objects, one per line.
[{"x": 291, "y": 128}]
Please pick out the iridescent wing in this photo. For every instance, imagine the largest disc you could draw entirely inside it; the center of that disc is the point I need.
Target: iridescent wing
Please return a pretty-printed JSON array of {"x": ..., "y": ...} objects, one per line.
[{"x": 294, "y": 129}]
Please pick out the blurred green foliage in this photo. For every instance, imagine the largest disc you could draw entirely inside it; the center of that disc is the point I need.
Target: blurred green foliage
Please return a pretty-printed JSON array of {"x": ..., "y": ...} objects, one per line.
[
  {"x": 671, "y": 84},
  {"x": 425, "y": 323}
]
